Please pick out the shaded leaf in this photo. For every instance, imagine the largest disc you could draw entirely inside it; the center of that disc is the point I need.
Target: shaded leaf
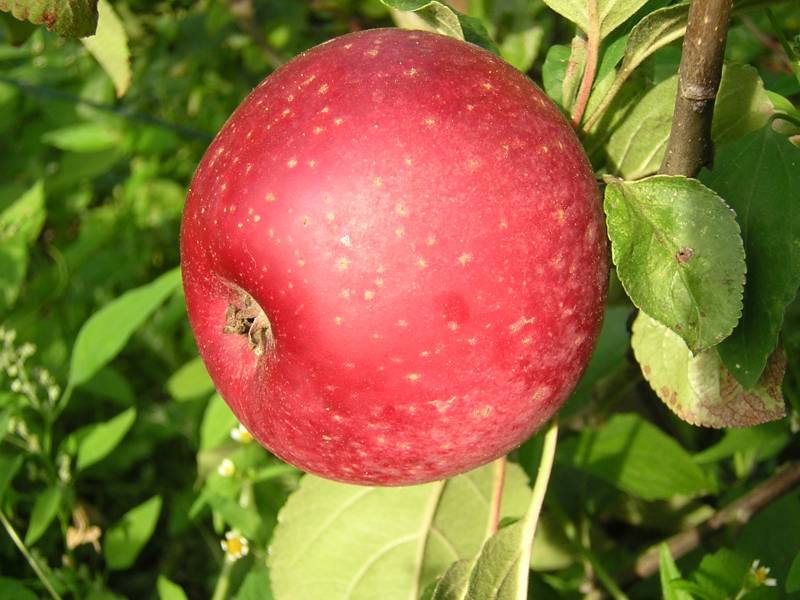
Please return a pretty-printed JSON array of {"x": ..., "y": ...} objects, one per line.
[
  {"x": 9, "y": 465},
  {"x": 20, "y": 225},
  {"x": 611, "y": 13},
  {"x": 109, "y": 45},
  {"x": 742, "y": 105},
  {"x": 679, "y": 255},
  {"x": 454, "y": 584},
  {"x": 638, "y": 143},
  {"x": 698, "y": 388},
  {"x": 11, "y": 589},
  {"x": 500, "y": 571},
  {"x": 554, "y": 70},
  {"x": 68, "y": 18},
  {"x": 108, "y": 330},
  {"x": 793, "y": 580},
  {"x": 653, "y": 32},
  {"x": 759, "y": 176},
  {"x": 342, "y": 541},
  {"x": 125, "y": 539},
  {"x": 636, "y": 457},
  {"x": 100, "y": 439},
  {"x": 45, "y": 508}
]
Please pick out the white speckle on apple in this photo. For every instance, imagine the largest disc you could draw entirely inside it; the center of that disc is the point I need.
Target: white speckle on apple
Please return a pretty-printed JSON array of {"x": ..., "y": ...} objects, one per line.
[
  {"x": 373, "y": 53},
  {"x": 486, "y": 85},
  {"x": 465, "y": 258},
  {"x": 338, "y": 121},
  {"x": 369, "y": 295},
  {"x": 452, "y": 326},
  {"x": 400, "y": 231},
  {"x": 412, "y": 72},
  {"x": 317, "y": 130},
  {"x": 338, "y": 320},
  {"x": 421, "y": 263},
  {"x": 377, "y": 182},
  {"x": 413, "y": 376},
  {"x": 402, "y": 323},
  {"x": 291, "y": 163},
  {"x": 401, "y": 210},
  {"x": 520, "y": 323},
  {"x": 323, "y": 89},
  {"x": 430, "y": 121},
  {"x": 342, "y": 263}
]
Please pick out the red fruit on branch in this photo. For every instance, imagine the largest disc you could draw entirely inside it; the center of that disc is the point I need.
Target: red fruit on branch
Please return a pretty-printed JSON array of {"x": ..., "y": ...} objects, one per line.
[{"x": 394, "y": 259}]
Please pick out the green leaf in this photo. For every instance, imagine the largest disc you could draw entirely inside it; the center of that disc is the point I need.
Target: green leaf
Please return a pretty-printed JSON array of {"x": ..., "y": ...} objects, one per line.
[
  {"x": 432, "y": 15},
  {"x": 245, "y": 520},
  {"x": 83, "y": 137},
  {"x": 638, "y": 143},
  {"x": 108, "y": 330},
  {"x": 45, "y": 509},
  {"x": 68, "y": 18},
  {"x": 13, "y": 267},
  {"x": 101, "y": 438},
  {"x": 698, "y": 388},
  {"x": 11, "y": 589},
  {"x": 23, "y": 219},
  {"x": 500, "y": 571},
  {"x": 167, "y": 590},
  {"x": 553, "y": 71},
  {"x": 256, "y": 585},
  {"x": 110, "y": 47},
  {"x": 341, "y": 541},
  {"x": 218, "y": 420},
  {"x": 611, "y": 13},
  {"x": 454, "y": 584},
  {"x": 679, "y": 255},
  {"x": 668, "y": 571},
  {"x": 635, "y": 457},
  {"x": 793, "y": 580},
  {"x": 190, "y": 381},
  {"x": 654, "y": 31},
  {"x": 721, "y": 574},
  {"x": 759, "y": 176},
  {"x": 742, "y": 105},
  {"x": 762, "y": 442},
  {"x": 125, "y": 539},
  {"x": 9, "y": 465}
]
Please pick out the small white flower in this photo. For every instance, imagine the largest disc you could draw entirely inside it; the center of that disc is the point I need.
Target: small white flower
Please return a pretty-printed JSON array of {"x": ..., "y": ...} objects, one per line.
[
  {"x": 235, "y": 545},
  {"x": 241, "y": 435},
  {"x": 761, "y": 574},
  {"x": 226, "y": 468}
]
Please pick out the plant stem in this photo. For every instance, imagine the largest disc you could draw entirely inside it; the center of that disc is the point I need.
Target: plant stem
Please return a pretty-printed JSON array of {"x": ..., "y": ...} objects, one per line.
[
  {"x": 224, "y": 581},
  {"x": 690, "y": 147},
  {"x": 499, "y": 468},
  {"x": 592, "y": 52},
  {"x": 539, "y": 490},
  {"x": 37, "y": 568},
  {"x": 740, "y": 511}
]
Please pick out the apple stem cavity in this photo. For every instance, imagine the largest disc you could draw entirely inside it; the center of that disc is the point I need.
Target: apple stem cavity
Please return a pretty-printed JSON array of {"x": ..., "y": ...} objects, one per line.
[{"x": 245, "y": 317}]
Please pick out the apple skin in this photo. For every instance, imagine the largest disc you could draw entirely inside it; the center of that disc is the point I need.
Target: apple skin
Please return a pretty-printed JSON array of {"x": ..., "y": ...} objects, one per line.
[{"x": 421, "y": 235}]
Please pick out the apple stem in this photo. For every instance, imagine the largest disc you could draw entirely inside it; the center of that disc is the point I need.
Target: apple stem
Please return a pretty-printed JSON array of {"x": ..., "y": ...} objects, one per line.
[{"x": 499, "y": 468}]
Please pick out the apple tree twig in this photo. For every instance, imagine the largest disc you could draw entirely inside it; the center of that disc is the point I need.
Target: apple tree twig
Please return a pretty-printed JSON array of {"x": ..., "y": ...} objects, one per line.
[
  {"x": 739, "y": 511},
  {"x": 690, "y": 146}
]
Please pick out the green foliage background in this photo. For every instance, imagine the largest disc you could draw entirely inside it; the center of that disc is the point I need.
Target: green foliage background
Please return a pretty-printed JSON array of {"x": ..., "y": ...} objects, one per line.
[{"x": 111, "y": 435}]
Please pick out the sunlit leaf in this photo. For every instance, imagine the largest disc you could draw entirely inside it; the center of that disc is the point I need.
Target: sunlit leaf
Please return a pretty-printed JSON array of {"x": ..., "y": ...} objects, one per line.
[
  {"x": 341, "y": 541},
  {"x": 45, "y": 509},
  {"x": 99, "y": 440},
  {"x": 679, "y": 255},
  {"x": 636, "y": 457},
  {"x": 668, "y": 571},
  {"x": 611, "y": 13},
  {"x": 108, "y": 330},
  {"x": 109, "y": 45}
]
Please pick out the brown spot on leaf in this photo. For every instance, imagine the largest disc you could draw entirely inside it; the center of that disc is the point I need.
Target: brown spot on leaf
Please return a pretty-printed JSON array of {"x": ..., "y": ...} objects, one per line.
[
  {"x": 684, "y": 255},
  {"x": 49, "y": 19}
]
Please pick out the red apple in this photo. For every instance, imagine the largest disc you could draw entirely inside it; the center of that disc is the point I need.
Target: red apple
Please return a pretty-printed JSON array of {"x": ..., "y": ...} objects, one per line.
[{"x": 394, "y": 259}]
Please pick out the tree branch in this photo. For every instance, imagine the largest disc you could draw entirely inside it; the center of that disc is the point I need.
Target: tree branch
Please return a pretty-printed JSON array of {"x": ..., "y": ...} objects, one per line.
[
  {"x": 739, "y": 511},
  {"x": 690, "y": 146}
]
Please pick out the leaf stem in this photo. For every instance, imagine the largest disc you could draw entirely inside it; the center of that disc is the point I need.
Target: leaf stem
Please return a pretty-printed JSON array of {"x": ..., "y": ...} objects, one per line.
[
  {"x": 499, "y": 468},
  {"x": 37, "y": 568},
  {"x": 690, "y": 146},
  {"x": 539, "y": 490},
  {"x": 592, "y": 53}
]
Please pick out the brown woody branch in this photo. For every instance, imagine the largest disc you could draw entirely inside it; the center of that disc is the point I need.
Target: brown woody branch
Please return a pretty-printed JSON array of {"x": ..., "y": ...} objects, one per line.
[
  {"x": 690, "y": 146},
  {"x": 739, "y": 511}
]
